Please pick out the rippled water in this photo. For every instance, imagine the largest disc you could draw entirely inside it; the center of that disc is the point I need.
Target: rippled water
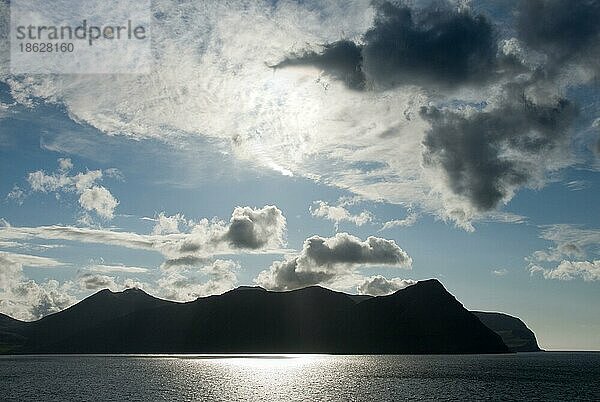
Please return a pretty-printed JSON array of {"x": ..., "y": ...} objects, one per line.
[{"x": 536, "y": 376}]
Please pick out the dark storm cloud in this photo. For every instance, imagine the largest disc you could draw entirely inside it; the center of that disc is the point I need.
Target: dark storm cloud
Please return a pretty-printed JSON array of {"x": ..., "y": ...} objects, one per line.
[
  {"x": 487, "y": 155},
  {"x": 436, "y": 45},
  {"x": 565, "y": 30},
  {"x": 324, "y": 260},
  {"x": 342, "y": 60},
  {"x": 432, "y": 46}
]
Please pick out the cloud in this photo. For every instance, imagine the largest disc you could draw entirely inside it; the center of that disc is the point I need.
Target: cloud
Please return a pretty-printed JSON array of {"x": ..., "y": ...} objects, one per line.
[
  {"x": 500, "y": 272},
  {"x": 566, "y": 31},
  {"x": 410, "y": 220},
  {"x": 381, "y": 286},
  {"x": 205, "y": 280},
  {"x": 438, "y": 45},
  {"x": 89, "y": 281},
  {"x": 342, "y": 59},
  {"x": 103, "y": 268},
  {"x": 485, "y": 157},
  {"x": 339, "y": 214},
  {"x": 83, "y": 235},
  {"x": 99, "y": 276},
  {"x": 17, "y": 195},
  {"x": 28, "y": 246},
  {"x": 16, "y": 260},
  {"x": 589, "y": 271},
  {"x": 250, "y": 230},
  {"x": 572, "y": 246},
  {"x": 25, "y": 299},
  {"x": 65, "y": 164},
  {"x": 577, "y": 185},
  {"x": 92, "y": 197},
  {"x": 328, "y": 260},
  {"x": 28, "y": 300},
  {"x": 167, "y": 224},
  {"x": 187, "y": 261},
  {"x": 367, "y": 142},
  {"x": 114, "y": 173},
  {"x": 569, "y": 241},
  {"x": 100, "y": 200}
]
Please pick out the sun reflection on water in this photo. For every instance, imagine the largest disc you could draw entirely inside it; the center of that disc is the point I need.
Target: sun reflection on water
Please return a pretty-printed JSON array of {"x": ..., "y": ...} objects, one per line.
[
  {"x": 269, "y": 362},
  {"x": 260, "y": 376}
]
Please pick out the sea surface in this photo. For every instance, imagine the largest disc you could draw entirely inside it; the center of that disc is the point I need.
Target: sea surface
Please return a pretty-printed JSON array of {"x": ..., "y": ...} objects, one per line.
[{"x": 529, "y": 377}]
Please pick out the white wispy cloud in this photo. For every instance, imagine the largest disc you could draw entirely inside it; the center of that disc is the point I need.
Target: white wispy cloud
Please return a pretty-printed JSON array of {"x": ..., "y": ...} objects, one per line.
[
  {"x": 573, "y": 255},
  {"x": 569, "y": 241},
  {"x": 28, "y": 260},
  {"x": 250, "y": 230},
  {"x": 577, "y": 185},
  {"x": 409, "y": 220},
  {"x": 103, "y": 268},
  {"x": 500, "y": 272},
  {"x": 337, "y": 214},
  {"x": 16, "y": 195}
]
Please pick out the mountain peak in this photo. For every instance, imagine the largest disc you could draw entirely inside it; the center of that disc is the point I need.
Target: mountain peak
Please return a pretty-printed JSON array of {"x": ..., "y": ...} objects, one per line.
[
  {"x": 425, "y": 287},
  {"x": 249, "y": 288},
  {"x": 134, "y": 291},
  {"x": 433, "y": 283},
  {"x": 129, "y": 292}
]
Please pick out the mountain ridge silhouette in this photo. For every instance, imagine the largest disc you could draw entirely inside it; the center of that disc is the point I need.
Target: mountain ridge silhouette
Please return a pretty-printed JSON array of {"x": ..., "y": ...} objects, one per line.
[{"x": 421, "y": 319}]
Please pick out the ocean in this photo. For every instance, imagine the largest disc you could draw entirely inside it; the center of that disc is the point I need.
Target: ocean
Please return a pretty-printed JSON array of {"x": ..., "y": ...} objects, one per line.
[{"x": 546, "y": 376}]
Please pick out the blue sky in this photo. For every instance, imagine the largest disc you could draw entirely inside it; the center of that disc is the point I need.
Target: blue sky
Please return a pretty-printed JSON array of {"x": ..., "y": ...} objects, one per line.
[{"x": 226, "y": 135}]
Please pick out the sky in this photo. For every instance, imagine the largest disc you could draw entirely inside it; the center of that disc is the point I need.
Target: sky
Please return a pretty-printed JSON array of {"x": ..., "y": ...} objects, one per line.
[{"x": 360, "y": 146}]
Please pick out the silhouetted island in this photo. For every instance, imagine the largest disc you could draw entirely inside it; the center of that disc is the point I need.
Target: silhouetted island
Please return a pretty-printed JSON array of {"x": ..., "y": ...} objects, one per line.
[{"x": 421, "y": 319}]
